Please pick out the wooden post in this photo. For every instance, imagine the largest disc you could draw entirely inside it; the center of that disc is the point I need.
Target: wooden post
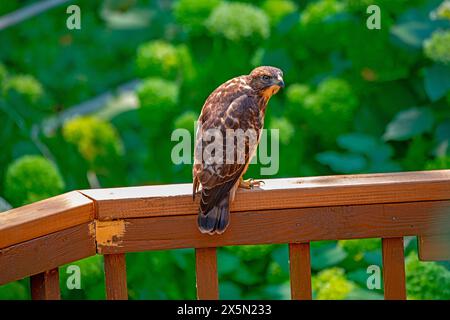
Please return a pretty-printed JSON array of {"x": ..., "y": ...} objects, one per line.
[
  {"x": 300, "y": 271},
  {"x": 115, "y": 277},
  {"x": 45, "y": 285},
  {"x": 206, "y": 274},
  {"x": 394, "y": 269}
]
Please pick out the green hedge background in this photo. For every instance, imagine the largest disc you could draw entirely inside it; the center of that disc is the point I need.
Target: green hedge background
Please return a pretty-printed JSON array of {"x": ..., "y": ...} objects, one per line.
[{"x": 357, "y": 101}]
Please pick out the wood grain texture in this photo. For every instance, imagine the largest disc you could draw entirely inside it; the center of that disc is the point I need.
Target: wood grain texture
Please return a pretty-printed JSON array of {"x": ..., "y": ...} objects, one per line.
[
  {"x": 44, "y": 217},
  {"x": 206, "y": 274},
  {"x": 300, "y": 271},
  {"x": 47, "y": 252},
  {"x": 434, "y": 247},
  {"x": 394, "y": 269},
  {"x": 282, "y": 226},
  {"x": 135, "y": 202},
  {"x": 45, "y": 285},
  {"x": 116, "y": 277}
]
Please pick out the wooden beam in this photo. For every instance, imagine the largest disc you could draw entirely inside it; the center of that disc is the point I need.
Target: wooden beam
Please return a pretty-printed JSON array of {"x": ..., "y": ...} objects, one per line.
[
  {"x": 116, "y": 277},
  {"x": 46, "y": 252},
  {"x": 300, "y": 271},
  {"x": 45, "y": 285},
  {"x": 280, "y": 226},
  {"x": 44, "y": 217},
  {"x": 434, "y": 247},
  {"x": 394, "y": 269},
  {"x": 148, "y": 201},
  {"x": 206, "y": 274}
]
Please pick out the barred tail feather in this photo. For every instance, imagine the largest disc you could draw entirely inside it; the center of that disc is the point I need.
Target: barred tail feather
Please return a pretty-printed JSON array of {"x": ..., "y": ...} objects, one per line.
[{"x": 215, "y": 220}]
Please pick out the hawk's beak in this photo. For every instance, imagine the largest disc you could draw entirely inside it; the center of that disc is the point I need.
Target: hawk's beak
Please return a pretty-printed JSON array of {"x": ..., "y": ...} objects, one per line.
[{"x": 280, "y": 82}]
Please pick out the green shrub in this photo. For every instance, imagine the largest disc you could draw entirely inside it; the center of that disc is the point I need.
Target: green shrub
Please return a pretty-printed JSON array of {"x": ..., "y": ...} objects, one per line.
[
  {"x": 329, "y": 110},
  {"x": 297, "y": 92},
  {"x": 17, "y": 290},
  {"x": 316, "y": 12},
  {"x": 187, "y": 121},
  {"x": 158, "y": 58},
  {"x": 285, "y": 127},
  {"x": 3, "y": 75},
  {"x": 192, "y": 14},
  {"x": 25, "y": 85},
  {"x": 91, "y": 281},
  {"x": 426, "y": 280},
  {"x": 96, "y": 140},
  {"x": 251, "y": 252},
  {"x": 231, "y": 21},
  {"x": 437, "y": 47},
  {"x": 443, "y": 11},
  {"x": 32, "y": 178},
  {"x": 331, "y": 284},
  {"x": 438, "y": 163},
  {"x": 276, "y": 10},
  {"x": 357, "y": 248},
  {"x": 158, "y": 99}
]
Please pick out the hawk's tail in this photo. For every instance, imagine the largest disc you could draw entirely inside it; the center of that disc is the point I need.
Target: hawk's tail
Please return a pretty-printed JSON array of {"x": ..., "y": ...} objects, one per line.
[{"x": 215, "y": 220}]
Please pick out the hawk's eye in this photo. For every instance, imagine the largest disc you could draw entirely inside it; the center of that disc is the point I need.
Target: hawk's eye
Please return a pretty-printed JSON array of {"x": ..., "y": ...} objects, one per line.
[{"x": 266, "y": 77}]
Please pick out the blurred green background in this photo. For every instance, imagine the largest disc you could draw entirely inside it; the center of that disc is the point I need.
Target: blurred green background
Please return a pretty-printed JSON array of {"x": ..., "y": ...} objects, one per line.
[{"x": 95, "y": 108}]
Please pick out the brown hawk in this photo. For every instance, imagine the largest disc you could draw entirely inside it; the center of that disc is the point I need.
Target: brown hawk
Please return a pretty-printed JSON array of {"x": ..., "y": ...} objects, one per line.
[{"x": 238, "y": 105}]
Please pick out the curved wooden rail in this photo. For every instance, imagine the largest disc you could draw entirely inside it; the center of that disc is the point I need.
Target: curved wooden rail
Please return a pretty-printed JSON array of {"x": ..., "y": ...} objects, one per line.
[{"x": 36, "y": 239}]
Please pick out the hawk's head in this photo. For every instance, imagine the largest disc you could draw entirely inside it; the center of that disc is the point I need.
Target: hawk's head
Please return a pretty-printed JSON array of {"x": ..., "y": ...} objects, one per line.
[{"x": 266, "y": 80}]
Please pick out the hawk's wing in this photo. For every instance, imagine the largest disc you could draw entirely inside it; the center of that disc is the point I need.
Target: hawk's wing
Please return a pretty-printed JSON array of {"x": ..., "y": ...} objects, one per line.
[{"x": 224, "y": 110}]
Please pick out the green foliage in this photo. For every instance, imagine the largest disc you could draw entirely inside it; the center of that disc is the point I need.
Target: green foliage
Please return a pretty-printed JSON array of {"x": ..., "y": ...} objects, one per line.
[
  {"x": 409, "y": 123},
  {"x": 230, "y": 20},
  {"x": 192, "y": 14},
  {"x": 437, "y": 48},
  {"x": 3, "y": 74},
  {"x": 96, "y": 140},
  {"x": 25, "y": 85},
  {"x": 251, "y": 252},
  {"x": 158, "y": 99},
  {"x": 437, "y": 81},
  {"x": 331, "y": 106},
  {"x": 426, "y": 280},
  {"x": 276, "y": 10},
  {"x": 91, "y": 279},
  {"x": 30, "y": 179},
  {"x": 285, "y": 127},
  {"x": 158, "y": 58},
  {"x": 438, "y": 163},
  {"x": 187, "y": 121},
  {"x": 357, "y": 100},
  {"x": 443, "y": 11},
  {"x": 331, "y": 284},
  {"x": 317, "y": 12},
  {"x": 357, "y": 248},
  {"x": 15, "y": 290}
]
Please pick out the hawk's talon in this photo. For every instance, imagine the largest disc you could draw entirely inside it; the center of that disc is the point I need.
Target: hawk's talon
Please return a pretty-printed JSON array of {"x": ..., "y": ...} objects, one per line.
[{"x": 250, "y": 183}]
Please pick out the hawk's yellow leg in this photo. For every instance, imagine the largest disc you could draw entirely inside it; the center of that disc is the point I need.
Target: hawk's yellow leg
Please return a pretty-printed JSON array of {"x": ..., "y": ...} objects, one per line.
[{"x": 250, "y": 183}]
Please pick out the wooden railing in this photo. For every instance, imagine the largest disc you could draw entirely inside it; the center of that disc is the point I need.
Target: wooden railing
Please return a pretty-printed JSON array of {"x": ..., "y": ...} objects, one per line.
[{"x": 36, "y": 239}]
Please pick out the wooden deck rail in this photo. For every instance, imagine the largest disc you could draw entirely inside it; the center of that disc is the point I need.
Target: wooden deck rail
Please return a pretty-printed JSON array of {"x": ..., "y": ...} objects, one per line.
[{"x": 38, "y": 238}]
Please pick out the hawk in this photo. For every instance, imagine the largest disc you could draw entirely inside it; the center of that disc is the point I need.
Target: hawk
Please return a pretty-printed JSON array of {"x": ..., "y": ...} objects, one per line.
[{"x": 238, "y": 105}]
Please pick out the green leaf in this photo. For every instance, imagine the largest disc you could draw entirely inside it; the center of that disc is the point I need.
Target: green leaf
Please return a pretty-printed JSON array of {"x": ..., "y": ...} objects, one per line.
[
  {"x": 324, "y": 257},
  {"x": 357, "y": 142},
  {"x": 229, "y": 290},
  {"x": 409, "y": 123},
  {"x": 437, "y": 81},
  {"x": 342, "y": 162},
  {"x": 228, "y": 262}
]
